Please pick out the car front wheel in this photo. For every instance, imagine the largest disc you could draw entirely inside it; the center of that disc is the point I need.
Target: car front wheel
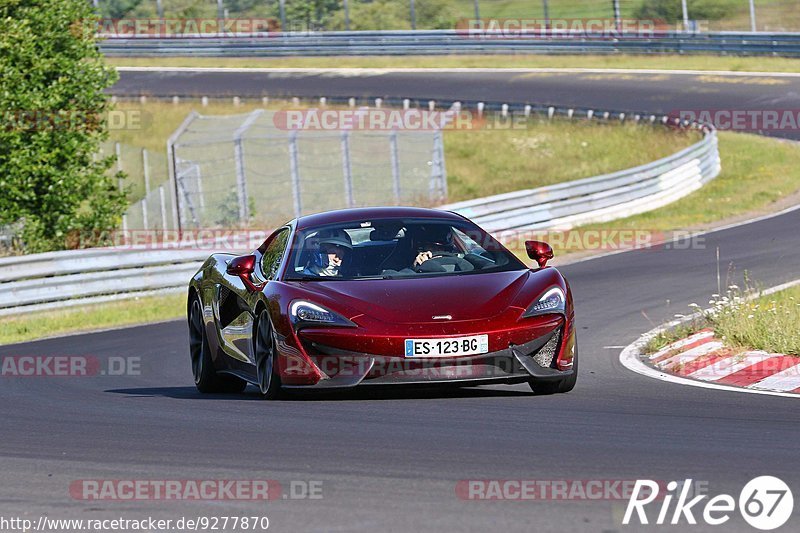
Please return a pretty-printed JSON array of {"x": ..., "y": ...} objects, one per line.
[{"x": 269, "y": 381}]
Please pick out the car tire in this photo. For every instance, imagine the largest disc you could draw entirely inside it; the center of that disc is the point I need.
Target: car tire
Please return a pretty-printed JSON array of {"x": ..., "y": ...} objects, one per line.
[
  {"x": 268, "y": 378},
  {"x": 558, "y": 386},
  {"x": 206, "y": 378}
]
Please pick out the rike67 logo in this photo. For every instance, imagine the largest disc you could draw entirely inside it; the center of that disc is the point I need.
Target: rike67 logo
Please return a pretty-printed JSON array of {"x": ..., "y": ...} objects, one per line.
[{"x": 765, "y": 503}]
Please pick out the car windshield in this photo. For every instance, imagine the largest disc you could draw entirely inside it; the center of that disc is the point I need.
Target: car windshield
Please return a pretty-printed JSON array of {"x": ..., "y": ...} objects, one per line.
[{"x": 396, "y": 248}]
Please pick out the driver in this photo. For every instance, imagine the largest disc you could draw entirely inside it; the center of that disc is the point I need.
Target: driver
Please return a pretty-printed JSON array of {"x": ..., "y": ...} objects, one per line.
[
  {"x": 438, "y": 244},
  {"x": 333, "y": 251}
]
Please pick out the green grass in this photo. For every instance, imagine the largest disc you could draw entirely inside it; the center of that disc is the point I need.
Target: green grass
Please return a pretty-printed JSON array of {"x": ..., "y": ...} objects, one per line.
[
  {"x": 486, "y": 162},
  {"x": 31, "y": 326},
  {"x": 770, "y": 323},
  {"x": 665, "y": 62}
]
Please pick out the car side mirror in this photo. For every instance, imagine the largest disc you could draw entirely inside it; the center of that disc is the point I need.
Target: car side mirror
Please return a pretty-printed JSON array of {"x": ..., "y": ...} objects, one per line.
[
  {"x": 242, "y": 266},
  {"x": 539, "y": 251}
]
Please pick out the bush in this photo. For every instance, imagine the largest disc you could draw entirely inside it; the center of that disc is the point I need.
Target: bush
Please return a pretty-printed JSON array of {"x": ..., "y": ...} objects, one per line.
[{"x": 52, "y": 183}]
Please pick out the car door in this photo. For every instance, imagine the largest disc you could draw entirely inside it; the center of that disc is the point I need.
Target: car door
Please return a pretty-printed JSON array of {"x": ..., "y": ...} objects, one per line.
[{"x": 235, "y": 316}]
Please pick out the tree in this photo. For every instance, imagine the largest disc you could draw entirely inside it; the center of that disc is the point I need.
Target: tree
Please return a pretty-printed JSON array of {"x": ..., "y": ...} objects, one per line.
[{"x": 52, "y": 183}]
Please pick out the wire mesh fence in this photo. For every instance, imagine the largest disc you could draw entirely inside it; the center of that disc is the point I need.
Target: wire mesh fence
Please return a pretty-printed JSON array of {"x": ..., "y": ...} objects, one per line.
[
  {"x": 247, "y": 171},
  {"x": 147, "y": 185}
]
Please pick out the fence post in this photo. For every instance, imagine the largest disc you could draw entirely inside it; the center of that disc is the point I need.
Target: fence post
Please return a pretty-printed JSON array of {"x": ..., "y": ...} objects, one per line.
[
  {"x": 346, "y": 15},
  {"x": 179, "y": 178},
  {"x": 295, "y": 173},
  {"x": 121, "y": 185},
  {"x": 118, "y": 153},
  {"x": 200, "y": 193},
  {"x": 241, "y": 182},
  {"x": 163, "y": 208},
  {"x": 347, "y": 170},
  {"x": 438, "y": 185},
  {"x": 546, "y": 12},
  {"x": 146, "y": 173},
  {"x": 413, "y": 15},
  {"x": 282, "y": 6},
  {"x": 172, "y": 166},
  {"x": 685, "y": 12},
  {"x": 395, "y": 159},
  {"x": 241, "y": 178}
]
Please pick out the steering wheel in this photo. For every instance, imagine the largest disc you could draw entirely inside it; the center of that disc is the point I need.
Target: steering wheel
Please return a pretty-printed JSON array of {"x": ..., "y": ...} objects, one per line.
[{"x": 438, "y": 262}]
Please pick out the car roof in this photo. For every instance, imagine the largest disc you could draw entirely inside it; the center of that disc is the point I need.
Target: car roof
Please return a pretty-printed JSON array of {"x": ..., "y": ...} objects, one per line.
[{"x": 367, "y": 213}]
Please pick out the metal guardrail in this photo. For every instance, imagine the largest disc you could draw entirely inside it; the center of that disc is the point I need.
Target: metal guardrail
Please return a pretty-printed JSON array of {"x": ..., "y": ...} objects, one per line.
[
  {"x": 441, "y": 42},
  {"x": 35, "y": 282},
  {"x": 70, "y": 278}
]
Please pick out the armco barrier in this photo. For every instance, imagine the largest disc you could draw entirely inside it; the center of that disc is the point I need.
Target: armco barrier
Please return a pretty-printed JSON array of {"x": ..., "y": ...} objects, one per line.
[
  {"x": 35, "y": 282},
  {"x": 441, "y": 42},
  {"x": 69, "y": 278}
]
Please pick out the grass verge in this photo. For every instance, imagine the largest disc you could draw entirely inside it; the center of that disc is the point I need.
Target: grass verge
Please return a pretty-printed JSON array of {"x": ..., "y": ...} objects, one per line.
[
  {"x": 143, "y": 310},
  {"x": 770, "y": 323},
  {"x": 662, "y": 62}
]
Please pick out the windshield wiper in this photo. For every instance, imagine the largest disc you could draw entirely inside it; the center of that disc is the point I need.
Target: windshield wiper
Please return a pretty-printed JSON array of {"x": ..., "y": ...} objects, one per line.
[{"x": 309, "y": 277}]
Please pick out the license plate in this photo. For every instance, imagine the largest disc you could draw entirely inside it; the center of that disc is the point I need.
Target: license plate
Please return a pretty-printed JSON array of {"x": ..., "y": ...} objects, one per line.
[{"x": 474, "y": 345}]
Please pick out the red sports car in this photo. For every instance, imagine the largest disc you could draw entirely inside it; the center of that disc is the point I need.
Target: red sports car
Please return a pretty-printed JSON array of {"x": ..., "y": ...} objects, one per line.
[{"x": 380, "y": 296}]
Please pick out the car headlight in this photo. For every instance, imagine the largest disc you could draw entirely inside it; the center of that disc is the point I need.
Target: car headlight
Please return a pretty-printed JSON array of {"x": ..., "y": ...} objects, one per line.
[
  {"x": 305, "y": 313},
  {"x": 552, "y": 301}
]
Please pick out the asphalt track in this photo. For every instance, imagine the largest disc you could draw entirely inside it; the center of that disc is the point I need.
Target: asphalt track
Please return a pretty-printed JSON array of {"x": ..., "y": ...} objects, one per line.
[
  {"x": 391, "y": 461},
  {"x": 655, "y": 92}
]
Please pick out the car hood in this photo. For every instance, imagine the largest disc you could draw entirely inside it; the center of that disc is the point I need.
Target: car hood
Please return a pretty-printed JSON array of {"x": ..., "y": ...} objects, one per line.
[{"x": 407, "y": 301}]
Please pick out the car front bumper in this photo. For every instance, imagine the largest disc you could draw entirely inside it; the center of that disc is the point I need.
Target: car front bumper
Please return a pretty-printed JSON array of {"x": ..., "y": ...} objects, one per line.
[{"x": 534, "y": 359}]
